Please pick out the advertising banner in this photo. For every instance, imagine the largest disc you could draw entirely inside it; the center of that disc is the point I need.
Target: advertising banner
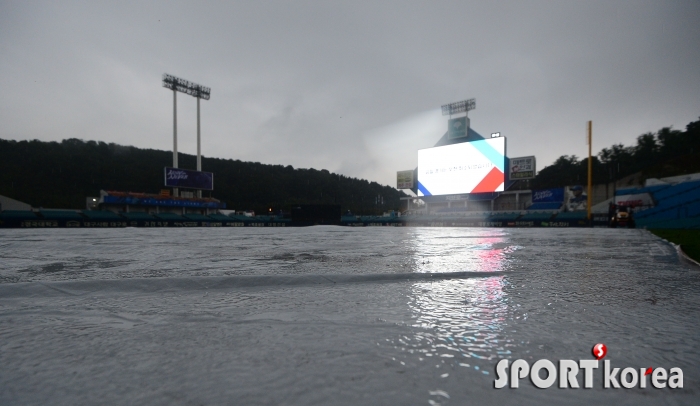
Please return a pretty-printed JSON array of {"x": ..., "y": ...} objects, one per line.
[
  {"x": 404, "y": 179},
  {"x": 184, "y": 178},
  {"x": 576, "y": 198},
  {"x": 522, "y": 168},
  {"x": 168, "y": 202},
  {"x": 468, "y": 167},
  {"x": 637, "y": 200},
  {"x": 548, "y": 195},
  {"x": 458, "y": 127}
]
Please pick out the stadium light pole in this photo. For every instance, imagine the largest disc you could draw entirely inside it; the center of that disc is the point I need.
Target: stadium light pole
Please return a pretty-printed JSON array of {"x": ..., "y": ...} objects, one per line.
[
  {"x": 199, "y": 143},
  {"x": 200, "y": 92},
  {"x": 458, "y": 127},
  {"x": 175, "y": 190},
  {"x": 458, "y": 107},
  {"x": 199, "y": 147},
  {"x": 590, "y": 170}
]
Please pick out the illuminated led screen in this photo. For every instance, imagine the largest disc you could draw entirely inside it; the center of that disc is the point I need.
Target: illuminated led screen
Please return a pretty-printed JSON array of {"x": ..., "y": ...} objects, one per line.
[{"x": 468, "y": 167}]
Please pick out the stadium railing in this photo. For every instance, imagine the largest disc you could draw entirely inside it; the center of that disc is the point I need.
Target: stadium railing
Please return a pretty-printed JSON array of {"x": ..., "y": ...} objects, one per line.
[
  {"x": 571, "y": 215},
  {"x": 536, "y": 216},
  {"x": 61, "y": 215},
  {"x": 133, "y": 216},
  {"x": 100, "y": 215},
  {"x": 18, "y": 215},
  {"x": 219, "y": 217},
  {"x": 196, "y": 217},
  {"x": 545, "y": 206},
  {"x": 169, "y": 216}
]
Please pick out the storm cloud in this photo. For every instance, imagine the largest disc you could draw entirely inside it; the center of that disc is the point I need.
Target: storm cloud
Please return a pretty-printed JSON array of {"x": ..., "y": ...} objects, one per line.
[{"x": 353, "y": 87}]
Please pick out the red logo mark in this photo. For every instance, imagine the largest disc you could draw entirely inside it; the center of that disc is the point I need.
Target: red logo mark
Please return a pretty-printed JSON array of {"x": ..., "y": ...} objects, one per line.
[
  {"x": 599, "y": 351},
  {"x": 648, "y": 371}
]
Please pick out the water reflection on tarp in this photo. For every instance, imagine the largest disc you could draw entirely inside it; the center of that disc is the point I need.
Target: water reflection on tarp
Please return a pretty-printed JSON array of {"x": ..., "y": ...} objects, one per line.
[
  {"x": 460, "y": 249},
  {"x": 459, "y": 322}
]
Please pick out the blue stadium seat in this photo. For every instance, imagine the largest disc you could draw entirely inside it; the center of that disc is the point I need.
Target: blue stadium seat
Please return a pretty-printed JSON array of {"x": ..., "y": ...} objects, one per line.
[
  {"x": 692, "y": 209},
  {"x": 676, "y": 190},
  {"x": 628, "y": 191},
  {"x": 691, "y": 195},
  {"x": 650, "y": 212},
  {"x": 634, "y": 191},
  {"x": 653, "y": 189},
  {"x": 677, "y": 206}
]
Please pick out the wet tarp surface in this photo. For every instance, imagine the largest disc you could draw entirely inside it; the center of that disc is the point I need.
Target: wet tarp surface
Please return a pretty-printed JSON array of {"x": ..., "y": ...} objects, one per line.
[{"x": 336, "y": 315}]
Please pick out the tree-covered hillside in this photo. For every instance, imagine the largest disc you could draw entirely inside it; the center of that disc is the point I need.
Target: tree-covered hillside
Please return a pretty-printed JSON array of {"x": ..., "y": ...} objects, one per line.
[
  {"x": 62, "y": 175},
  {"x": 669, "y": 152}
]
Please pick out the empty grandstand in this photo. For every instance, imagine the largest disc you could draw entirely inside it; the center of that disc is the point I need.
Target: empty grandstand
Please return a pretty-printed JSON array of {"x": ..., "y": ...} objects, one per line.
[
  {"x": 674, "y": 205},
  {"x": 521, "y": 208},
  {"x": 115, "y": 201}
]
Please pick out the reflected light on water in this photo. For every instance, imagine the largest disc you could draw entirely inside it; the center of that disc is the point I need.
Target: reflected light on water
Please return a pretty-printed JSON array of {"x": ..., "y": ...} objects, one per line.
[
  {"x": 460, "y": 321},
  {"x": 476, "y": 250}
]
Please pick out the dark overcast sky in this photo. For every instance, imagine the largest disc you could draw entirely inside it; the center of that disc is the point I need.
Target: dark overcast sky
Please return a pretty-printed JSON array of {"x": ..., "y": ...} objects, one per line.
[{"x": 353, "y": 87}]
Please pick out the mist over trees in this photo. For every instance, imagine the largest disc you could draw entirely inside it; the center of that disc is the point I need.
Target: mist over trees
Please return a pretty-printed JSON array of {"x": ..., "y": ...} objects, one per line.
[
  {"x": 62, "y": 175},
  {"x": 668, "y": 152}
]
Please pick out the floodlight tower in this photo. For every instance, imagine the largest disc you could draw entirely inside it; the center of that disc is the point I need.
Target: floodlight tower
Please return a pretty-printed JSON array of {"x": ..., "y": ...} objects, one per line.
[
  {"x": 458, "y": 107},
  {"x": 200, "y": 92},
  {"x": 458, "y": 127}
]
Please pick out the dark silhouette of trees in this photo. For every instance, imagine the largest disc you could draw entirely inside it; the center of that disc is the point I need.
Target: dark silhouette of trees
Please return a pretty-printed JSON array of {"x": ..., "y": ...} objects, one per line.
[
  {"x": 669, "y": 152},
  {"x": 62, "y": 175}
]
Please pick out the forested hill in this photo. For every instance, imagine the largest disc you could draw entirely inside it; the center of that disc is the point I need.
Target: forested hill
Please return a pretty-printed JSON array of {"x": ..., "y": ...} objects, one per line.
[
  {"x": 668, "y": 152},
  {"x": 62, "y": 175}
]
